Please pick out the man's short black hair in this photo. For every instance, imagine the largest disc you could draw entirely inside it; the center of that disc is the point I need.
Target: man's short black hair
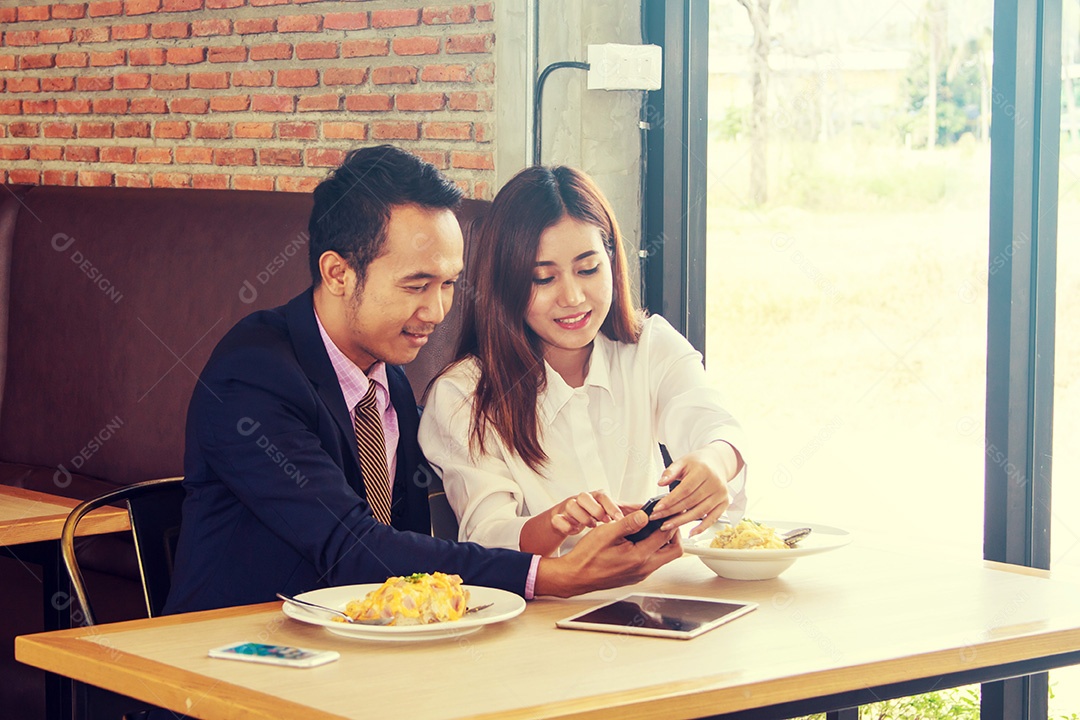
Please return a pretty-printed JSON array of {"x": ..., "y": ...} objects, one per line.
[{"x": 352, "y": 206}]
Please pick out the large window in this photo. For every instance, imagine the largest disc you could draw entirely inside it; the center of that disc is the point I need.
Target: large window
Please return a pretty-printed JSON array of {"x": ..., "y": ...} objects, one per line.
[
  {"x": 848, "y": 208},
  {"x": 848, "y": 196}
]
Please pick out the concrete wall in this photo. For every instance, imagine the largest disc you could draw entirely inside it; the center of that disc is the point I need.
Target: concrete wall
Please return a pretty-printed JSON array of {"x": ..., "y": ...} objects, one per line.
[{"x": 594, "y": 130}]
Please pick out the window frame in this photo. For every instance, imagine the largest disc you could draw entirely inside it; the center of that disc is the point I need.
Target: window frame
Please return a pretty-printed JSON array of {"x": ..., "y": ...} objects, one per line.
[
  {"x": 673, "y": 272},
  {"x": 1021, "y": 265}
]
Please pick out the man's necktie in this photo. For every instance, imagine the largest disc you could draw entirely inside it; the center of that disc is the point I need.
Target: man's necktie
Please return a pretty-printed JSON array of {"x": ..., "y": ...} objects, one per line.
[{"x": 372, "y": 451}]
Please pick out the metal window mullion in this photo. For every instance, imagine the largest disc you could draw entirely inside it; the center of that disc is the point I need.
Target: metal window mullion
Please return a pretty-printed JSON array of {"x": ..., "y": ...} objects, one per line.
[
  {"x": 676, "y": 182},
  {"x": 696, "y": 168},
  {"x": 1020, "y": 307},
  {"x": 1044, "y": 288},
  {"x": 665, "y": 183}
]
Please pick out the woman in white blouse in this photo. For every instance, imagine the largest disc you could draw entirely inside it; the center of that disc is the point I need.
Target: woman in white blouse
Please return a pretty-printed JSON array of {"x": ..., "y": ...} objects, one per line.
[{"x": 549, "y": 422}]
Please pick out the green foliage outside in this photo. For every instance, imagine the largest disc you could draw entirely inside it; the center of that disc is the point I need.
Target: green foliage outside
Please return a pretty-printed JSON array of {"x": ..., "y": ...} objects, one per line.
[
  {"x": 960, "y": 85},
  {"x": 959, "y": 104},
  {"x": 734, "y": 123},
  {"x": 955, "y": 704}
]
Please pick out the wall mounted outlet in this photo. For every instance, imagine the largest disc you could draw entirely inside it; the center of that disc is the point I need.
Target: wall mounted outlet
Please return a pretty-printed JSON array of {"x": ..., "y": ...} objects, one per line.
[{"x": 625, "y": 67}]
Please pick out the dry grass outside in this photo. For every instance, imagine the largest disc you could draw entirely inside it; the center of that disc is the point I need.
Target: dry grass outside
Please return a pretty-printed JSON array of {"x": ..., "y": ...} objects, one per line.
[{"x": 847, "y": 325}]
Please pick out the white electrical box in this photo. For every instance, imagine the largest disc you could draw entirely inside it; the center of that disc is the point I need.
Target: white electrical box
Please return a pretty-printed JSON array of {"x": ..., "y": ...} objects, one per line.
[{"x": 625, "y": 67}]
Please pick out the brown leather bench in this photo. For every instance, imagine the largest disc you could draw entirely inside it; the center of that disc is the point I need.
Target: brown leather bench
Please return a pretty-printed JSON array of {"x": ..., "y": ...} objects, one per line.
[{"x": 111, "y": 300}]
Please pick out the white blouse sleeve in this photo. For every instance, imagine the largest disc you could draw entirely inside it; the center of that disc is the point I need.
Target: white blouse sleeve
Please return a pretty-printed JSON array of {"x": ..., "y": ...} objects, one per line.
[
  {"x": 690, "y": 412},
  {"x": 487, "y": 500}
]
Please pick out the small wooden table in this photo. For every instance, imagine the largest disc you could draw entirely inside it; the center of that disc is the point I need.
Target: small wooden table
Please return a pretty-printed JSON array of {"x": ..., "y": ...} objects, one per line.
[
  {"x": 31, "y": 520},
  {"x": 836, "y": 630},
  {"x": 30, "y": 525}
]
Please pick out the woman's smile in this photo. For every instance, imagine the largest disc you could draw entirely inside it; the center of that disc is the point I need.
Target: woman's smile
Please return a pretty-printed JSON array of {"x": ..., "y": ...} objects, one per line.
[{"x": 574, "y": 322}]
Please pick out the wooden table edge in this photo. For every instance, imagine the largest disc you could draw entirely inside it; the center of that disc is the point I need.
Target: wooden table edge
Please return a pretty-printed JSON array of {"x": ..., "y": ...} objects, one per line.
[
  {"x": 76, "y": 633},
  {"x": 187, "y": 692},
  {"x": 37, "y": 496},
  {"x": 100, "y": 521},
  {"x": 645, "y": 704},
  {"x": 653, "y": 702}
]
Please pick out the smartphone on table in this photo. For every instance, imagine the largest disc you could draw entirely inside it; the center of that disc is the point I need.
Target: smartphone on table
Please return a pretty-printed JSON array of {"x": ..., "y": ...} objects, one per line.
[{"x": 274, "y": 654}]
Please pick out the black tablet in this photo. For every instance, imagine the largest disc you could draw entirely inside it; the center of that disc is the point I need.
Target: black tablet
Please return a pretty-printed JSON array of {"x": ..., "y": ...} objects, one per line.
[{"x": 670, "y": 616}]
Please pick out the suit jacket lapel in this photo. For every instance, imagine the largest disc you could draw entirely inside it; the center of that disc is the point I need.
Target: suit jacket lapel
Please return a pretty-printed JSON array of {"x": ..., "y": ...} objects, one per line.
[
  {"x": 413, "y": 475},
  {"x": 410, "y": 506},
  {"x": 310, "y": 351},
  {"x": 408, "y": 420}
]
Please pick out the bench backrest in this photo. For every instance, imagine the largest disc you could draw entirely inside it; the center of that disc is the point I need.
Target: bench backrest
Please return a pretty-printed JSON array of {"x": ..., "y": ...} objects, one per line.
[{"x": 113, "y": 299}]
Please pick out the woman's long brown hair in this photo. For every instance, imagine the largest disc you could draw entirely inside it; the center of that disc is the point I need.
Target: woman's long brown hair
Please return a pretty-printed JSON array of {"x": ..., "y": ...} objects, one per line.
[{"x": 494, "y": 331}]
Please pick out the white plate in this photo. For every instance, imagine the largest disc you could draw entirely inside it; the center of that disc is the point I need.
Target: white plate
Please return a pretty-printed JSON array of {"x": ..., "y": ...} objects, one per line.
[
  {"x": 765, "y": 564},
  {"x": 504, "y": 606}
]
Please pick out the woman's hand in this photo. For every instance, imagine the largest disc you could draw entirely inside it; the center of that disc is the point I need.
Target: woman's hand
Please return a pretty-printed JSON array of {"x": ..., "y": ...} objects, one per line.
[
  {"x": 543, "y": 534},
  {"x": 584, "y": 510},
  {"x": 702, "y": 493}
]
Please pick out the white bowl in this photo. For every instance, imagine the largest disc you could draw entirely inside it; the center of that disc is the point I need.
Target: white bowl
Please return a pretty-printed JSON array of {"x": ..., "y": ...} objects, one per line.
[
  {"x": 748, "y": 569},
  {"x": 765, "y": 564}
]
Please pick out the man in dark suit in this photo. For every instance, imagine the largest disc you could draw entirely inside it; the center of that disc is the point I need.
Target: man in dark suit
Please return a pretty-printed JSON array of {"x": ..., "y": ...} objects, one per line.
[{"x": 289, "y": 476}]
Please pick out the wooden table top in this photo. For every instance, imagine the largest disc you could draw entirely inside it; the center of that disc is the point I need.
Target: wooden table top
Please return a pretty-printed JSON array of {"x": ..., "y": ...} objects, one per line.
[
  {"x": 28, "y": 516},
  {"x": 854, "y": 618}
]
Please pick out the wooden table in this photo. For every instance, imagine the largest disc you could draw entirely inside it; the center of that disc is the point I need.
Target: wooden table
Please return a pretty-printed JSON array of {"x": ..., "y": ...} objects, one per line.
[
  {"x": 32, "y": 521},
  {"x": 28, "y": 516},
  {"x": 836, "y": 630},
  {"x": 30, "y": 525}
]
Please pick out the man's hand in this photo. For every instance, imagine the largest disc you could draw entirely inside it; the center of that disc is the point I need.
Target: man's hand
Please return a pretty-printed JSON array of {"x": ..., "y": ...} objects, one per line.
[{"x": 604, "y": 558}]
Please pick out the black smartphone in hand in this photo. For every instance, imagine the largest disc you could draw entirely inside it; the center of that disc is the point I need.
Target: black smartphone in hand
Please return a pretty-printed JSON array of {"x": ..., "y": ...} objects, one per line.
[{"x": 654, "y": 524}]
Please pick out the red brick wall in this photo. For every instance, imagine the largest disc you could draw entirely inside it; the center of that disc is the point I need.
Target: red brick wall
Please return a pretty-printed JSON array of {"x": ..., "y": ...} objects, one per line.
[{"x": 242, "y": 94}]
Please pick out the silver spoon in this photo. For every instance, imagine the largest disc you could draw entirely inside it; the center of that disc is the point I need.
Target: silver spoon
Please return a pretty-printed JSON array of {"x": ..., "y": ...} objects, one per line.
[
  {"x": 337, "y": 613},
  {"x": 792, "y": 537}
]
